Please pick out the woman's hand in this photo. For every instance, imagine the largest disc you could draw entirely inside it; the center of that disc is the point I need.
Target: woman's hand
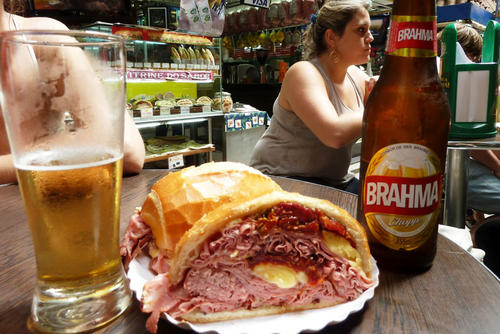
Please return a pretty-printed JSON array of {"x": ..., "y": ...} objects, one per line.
[{"x": 369, "y": 84}]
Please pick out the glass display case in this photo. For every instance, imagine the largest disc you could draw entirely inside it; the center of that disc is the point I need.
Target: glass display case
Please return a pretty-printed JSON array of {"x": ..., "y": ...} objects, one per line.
[{"x": 173, "y": 89}]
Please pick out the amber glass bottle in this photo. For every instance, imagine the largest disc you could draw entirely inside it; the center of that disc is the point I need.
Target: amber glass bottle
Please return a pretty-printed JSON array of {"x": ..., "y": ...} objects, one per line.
[{"x": 405, "y": 132}]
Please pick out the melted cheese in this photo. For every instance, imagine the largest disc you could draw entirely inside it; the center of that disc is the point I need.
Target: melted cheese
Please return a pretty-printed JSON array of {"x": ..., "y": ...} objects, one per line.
[
  {"x": 340, "y": 246},
  {"x": 283, "y": 276}
]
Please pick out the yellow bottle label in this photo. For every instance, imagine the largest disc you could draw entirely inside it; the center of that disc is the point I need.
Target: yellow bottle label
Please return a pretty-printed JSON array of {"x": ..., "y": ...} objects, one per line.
[{"x": 402, "y": 195}]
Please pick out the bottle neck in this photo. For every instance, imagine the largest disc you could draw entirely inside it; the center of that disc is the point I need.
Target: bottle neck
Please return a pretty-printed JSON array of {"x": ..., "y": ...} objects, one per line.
[
  {"x": 414, "y": 7},
  {"x": 412, "y": 45}
]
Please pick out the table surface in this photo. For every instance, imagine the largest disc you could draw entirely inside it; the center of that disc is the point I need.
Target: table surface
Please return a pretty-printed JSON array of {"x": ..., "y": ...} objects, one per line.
[
  {"x": 491, "y": 143},
  {"x": 457, "y": 295}
]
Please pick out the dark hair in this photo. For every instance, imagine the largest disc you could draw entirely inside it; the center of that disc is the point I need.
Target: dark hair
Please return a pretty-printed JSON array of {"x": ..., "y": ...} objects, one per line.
[{"x": 334, "y": 15}]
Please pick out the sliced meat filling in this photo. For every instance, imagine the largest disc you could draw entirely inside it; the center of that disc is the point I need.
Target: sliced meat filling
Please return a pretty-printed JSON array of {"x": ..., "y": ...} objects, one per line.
[
  {"x": 275, "y": 259},
  {"x": 137, "y": 237}
]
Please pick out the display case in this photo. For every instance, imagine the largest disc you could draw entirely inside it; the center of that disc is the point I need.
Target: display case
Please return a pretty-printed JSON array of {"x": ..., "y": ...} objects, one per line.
[{"x": 173, "y": 90}]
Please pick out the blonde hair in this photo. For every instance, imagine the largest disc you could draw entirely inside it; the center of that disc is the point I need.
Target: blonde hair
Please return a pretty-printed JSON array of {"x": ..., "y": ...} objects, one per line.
[{"x": 334, "y": 15}]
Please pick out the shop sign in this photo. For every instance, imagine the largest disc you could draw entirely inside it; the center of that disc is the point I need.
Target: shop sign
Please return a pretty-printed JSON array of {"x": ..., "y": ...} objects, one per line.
[
  {"x": 256, "y": 3},
  {"x": 170, "y": 75}
]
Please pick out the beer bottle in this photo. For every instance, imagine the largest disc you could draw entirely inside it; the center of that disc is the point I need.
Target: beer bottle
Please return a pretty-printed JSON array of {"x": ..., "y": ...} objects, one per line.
[{"x": 403, "y": 152}]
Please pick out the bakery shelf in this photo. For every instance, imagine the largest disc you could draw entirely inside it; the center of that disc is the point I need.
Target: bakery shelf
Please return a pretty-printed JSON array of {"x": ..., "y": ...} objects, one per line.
[{"x": 160, "y": 157}]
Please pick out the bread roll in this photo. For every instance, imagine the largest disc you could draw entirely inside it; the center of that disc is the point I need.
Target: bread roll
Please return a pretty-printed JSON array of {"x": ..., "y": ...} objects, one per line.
[{"x": 179, "y": 199}]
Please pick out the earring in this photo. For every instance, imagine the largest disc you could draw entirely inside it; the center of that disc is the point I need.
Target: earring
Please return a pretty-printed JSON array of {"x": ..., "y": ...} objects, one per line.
[{"x": 334, "y": 56}]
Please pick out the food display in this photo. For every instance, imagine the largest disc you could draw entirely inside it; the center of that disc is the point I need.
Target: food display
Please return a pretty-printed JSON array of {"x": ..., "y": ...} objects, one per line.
[
  {"x": 144, "y": 106},
  {"x": 172, "y": 78},
  {"x": 225, "y": 103},
  {"x": 171, "y": 144},
  {"x": 227, "y": 243},
  {"x": 190, "y": 55}
]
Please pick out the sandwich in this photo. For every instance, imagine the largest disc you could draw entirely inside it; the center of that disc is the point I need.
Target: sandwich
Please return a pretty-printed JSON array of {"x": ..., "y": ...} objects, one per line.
[
  {"x": 204, "y": 100},
  {"x": 269, "y": 253},
  {"x": 185, "y": 102},
  {"x": 179, "y": 199}
]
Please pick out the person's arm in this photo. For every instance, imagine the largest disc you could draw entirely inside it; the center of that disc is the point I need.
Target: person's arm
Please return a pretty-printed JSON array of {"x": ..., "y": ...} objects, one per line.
[
  {"x": 305, "y": 93},
  {"x": 133, "y": 146},
  {"x": 490, "y": 159},
  {"x": 7, "y": 170}
]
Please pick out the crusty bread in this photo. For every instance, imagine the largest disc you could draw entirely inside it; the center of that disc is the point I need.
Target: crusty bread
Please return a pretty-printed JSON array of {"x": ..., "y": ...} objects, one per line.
[
  {"x": 197, "y": 316},
  {"x": 188, "y": 247},
  {"x": 179, "y": 199}
]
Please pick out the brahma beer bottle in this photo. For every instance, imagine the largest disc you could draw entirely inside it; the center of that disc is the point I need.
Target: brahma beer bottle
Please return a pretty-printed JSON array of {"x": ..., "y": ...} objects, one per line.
[{"x": 405, "y": 132}]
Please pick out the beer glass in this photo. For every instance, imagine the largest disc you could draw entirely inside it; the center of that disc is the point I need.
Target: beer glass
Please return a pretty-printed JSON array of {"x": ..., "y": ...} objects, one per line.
[{"x": 63, "y": 95}]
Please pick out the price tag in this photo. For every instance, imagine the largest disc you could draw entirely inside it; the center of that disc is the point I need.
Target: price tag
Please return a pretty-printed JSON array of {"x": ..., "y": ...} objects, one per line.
[
  {"x": 138, "y": 65},
  {"x": 185, "y": 109},
  {"x": 147, "y": 65},
  {"x": 206, "y": 108},
  {"x": 146, "y": 112},
  {"x": 164, "y": 110},
  {"x": 156, "y": 65},
  {"x": 176, "y": 161}
]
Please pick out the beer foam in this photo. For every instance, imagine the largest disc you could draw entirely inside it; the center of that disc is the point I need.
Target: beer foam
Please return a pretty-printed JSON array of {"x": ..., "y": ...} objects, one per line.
[{"x": 67, "y": 158}]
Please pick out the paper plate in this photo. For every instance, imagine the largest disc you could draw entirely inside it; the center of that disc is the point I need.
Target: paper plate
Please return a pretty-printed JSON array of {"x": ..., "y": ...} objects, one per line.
[{"x": 288, "y": 323}]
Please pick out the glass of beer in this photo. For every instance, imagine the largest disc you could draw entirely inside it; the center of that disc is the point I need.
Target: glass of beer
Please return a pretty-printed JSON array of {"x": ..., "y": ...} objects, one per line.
[{"x": 63, "y": 107}]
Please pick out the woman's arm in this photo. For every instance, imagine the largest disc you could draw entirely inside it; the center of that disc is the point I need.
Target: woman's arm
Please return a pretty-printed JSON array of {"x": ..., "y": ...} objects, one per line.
[
  {"x": 133, "y": 146},
  {"x": 488, "y": 158},
  {"x": 304, "y": 92},
  {"x": 7, "y": 170}
]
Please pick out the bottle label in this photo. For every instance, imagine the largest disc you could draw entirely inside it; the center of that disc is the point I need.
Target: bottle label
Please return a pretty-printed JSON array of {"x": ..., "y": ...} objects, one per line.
[
  {"x": 402, "y": 195},
  {"x": 412, "y": 36}
]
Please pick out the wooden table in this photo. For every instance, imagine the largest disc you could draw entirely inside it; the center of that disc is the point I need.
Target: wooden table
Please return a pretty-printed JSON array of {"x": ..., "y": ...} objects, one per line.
[{"x": 457, "y": 295}]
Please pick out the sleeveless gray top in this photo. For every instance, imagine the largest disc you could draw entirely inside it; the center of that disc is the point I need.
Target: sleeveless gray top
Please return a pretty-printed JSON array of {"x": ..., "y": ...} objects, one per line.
[{"x": 289, "y": 148}]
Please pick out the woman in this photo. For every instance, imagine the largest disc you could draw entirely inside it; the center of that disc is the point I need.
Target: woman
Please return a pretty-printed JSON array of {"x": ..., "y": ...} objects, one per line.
[
  {"x": 134, "y": 152},
  {"x": 317, "y": 115}
]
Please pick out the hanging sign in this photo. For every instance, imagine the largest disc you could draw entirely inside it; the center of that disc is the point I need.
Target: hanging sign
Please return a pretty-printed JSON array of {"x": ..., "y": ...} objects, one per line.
[
  {"x": 256, "y": 3},
  {"x": 170, "y": 75}
]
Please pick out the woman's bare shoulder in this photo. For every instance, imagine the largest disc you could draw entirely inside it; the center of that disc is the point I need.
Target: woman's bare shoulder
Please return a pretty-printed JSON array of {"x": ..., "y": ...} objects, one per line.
[
  {"x": 301, "y": 67},
  {"x": 302, "y": 72}
]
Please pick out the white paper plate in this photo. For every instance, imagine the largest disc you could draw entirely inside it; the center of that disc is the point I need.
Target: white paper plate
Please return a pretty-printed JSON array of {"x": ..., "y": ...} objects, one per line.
[{"x": 288, "y": 323}]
